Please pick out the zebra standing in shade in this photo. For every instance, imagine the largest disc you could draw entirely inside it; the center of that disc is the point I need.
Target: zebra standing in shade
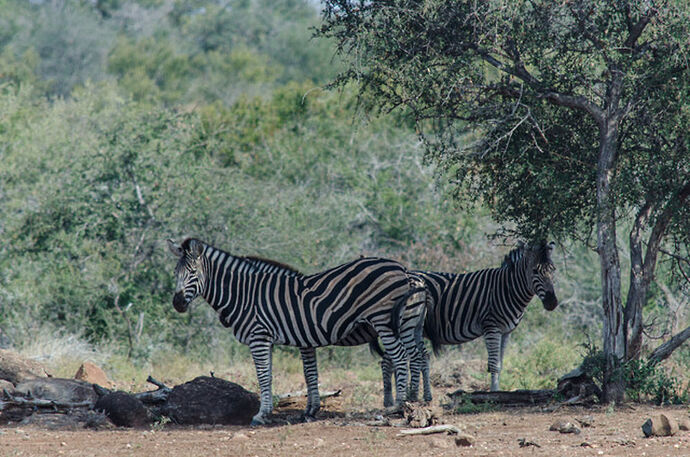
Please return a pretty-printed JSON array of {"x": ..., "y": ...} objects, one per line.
[
  {"x": 264, "y": 306},
  {"x": 488, "y": 303}
]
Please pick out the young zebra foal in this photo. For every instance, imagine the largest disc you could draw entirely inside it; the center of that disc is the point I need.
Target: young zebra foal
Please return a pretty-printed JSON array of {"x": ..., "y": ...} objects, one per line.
[{"x": 264, "y": 306}]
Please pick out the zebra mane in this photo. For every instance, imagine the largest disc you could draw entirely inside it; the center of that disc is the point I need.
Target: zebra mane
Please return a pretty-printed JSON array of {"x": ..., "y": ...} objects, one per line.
[
  {"x": 253, "y": 260},
  {"x": 262, "y": 260},
  {"x": 541, "y": 252}
]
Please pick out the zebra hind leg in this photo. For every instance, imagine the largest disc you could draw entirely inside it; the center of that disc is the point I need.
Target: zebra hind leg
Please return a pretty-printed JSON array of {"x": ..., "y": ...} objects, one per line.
[
  {"x": 387, "y": 373},
  {"x": 261, "y": 353},
  {"x": 311, "y": 376},
  {"x": 396, "y": 351},
  {"x": 425, "y": 373}
]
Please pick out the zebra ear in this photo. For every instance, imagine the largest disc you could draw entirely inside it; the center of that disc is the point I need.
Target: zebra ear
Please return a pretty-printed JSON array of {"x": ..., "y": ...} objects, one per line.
[
  {"x": 174, "y": 248},
  {"x": 195, "y": 248},
  {"x": 549, "y": 249}
]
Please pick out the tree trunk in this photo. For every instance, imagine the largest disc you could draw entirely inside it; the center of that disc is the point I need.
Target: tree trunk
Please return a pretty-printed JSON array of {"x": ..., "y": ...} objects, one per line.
[
  {"x": 639, "y": 285},
  {"x": 614, "y": 332}
]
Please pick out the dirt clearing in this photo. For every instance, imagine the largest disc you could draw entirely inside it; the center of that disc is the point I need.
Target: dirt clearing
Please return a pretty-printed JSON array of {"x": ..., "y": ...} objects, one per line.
[{"x": 613, "y": 432}]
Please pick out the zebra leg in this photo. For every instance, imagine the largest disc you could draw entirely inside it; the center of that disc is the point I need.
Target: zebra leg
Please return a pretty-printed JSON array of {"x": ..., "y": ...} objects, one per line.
[
  {"x": 396, "y": 351},
  {"x": 387, "y": 373},
  {"x": 492, "y": 339},
  {"x": 261, "y": 353},
  {"x": 505, "y": 338},
  {"x": 425, "y": 372},
  {"x": 311, "y": 376}
]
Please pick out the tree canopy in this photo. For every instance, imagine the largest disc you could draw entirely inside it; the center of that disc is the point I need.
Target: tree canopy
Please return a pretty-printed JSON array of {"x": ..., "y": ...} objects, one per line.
[{"x": 568, "y": 119}]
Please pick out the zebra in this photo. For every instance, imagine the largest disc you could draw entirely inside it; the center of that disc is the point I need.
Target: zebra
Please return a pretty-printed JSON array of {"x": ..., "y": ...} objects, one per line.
[
  {"x": 264, "y": 306},
  {"x": 411, "y": 325},
  {"x": 488, "y": 303}
]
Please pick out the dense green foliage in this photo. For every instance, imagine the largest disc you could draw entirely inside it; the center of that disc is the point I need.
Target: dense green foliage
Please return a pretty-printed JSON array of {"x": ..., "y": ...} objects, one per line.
[
  {"x": 567, "y": 119},
  {"x": 126, "y": 123}
]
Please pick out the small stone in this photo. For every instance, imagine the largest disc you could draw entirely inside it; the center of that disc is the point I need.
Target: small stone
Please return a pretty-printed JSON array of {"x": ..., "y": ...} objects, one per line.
[
  {"x": 464, "y": 440},
  {"x": 684, "y": 424},
  {"x": 439, "y": 443},
  {"x": 564, "y": 427},
  {"x": 585, "y": 421},
  {"x": 660, "y": 425},
  {"x": 240, "y": 437}
]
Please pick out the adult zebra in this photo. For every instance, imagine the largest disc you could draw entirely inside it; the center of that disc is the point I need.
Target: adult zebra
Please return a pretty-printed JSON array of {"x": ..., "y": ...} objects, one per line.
[
  {"x": 488, "y": 303},
  {"x": 264, "y": 306}
]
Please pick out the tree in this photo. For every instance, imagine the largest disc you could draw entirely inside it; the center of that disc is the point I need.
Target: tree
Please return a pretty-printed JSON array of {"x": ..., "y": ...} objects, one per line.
[{"x": 566, "y": 118}]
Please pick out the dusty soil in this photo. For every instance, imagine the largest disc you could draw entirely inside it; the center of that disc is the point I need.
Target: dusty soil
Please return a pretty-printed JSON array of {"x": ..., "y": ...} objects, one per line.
[{"x": 337, "y": 433}]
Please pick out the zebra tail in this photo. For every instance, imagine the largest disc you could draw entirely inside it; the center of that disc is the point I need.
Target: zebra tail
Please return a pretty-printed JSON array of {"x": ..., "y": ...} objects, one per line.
[
  {"x": 375, "y": 348},
  {"x": 433, "y": 337},
  {"x": 399, "y": 308}
]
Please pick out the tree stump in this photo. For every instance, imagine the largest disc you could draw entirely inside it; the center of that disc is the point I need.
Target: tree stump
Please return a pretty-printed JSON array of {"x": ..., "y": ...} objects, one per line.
[
  {"x": 124, "y": 410},
  {"x": 207, "y": 400}
]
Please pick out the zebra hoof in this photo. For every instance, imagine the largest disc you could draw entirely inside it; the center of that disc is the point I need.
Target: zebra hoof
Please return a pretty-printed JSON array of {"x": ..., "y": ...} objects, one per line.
[
  {"x": 258, "y": 421},
  {"x": 308, "y": 418}
]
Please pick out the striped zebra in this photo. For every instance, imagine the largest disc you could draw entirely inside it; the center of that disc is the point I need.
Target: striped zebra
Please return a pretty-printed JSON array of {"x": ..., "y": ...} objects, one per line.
[
  {"x": 263, "y": 304},
  {"x": 488, "y": 303}
]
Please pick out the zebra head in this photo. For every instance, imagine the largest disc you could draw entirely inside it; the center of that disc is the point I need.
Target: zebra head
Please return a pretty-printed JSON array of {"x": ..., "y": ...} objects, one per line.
[
  {"x": 542, "y": 267},
  {"x": 189, "y": 272}
]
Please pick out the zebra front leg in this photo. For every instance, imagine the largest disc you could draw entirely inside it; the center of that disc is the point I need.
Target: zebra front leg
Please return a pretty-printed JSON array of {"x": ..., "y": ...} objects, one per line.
[
  {"x": 387, "y": 373},
  {"x": 311, "y": 377},
  {"x": 261, "y": 353},
  {"x": 492, "y": 339}
]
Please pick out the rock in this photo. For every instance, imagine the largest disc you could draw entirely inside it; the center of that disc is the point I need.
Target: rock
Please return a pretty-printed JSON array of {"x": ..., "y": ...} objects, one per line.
[
  {"x": 463, "y": 439},
  {"x": 439, "y": 443},
  {"x": 660, "y": 425},
  {"x": 92, "y": 373},
  {"x": 6, "y": 385},
  {"x": 585, "y": 421},
  {"x": 684, "y": 424},
  {"x": 564, "y": 426},
  {"x": 15, "y": 368},
  {"x": 58, "y": 389},
  {"x": 207, "y": 400},
  {"x": 124, "y": 410}
]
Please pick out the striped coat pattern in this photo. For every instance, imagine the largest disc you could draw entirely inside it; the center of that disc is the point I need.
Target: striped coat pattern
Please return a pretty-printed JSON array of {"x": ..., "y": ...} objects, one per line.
[
  {"x": 263, "y": 306},
  {"x": 488, "y": 303}
]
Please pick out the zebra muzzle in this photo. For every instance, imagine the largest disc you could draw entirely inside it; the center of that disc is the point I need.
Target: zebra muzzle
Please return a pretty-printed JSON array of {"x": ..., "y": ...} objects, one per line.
[
  {"x": 180, "y": 303},
  {"x": 550, "y": 301}
]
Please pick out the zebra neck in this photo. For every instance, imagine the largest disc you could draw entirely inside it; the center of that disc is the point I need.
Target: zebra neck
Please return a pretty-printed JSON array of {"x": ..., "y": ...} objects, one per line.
[
  {"x": 519, "y": 288},
  {"x": 221, "y": 268}
]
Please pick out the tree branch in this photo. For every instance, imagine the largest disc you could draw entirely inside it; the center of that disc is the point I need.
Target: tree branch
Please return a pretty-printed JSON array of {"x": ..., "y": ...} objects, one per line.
[
  {"x": 665, "y": 350},
  {"x": 519, "y": 71},
  {"x": 659, "y": 229}
]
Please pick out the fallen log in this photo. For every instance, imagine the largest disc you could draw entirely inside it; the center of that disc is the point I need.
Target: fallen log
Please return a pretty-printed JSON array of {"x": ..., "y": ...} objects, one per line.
[
  {"x": 292, "y": 397},
  {"x": 505, "y": 398},
  {"x": 444, "y": 428},
  {"x": 21, "y": 402}
]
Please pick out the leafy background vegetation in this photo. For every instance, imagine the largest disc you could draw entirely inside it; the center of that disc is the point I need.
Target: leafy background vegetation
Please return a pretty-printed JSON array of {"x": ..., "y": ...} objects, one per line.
[{"x": 126, "y": 123}]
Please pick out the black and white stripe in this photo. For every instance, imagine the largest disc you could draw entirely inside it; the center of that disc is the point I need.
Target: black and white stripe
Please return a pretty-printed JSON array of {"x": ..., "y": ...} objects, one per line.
[
  {"x": 488, "y": 303},
  {"x": 265, "y": 305}
]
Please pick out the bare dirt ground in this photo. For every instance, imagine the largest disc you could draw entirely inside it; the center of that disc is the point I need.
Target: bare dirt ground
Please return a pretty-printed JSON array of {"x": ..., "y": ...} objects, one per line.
[{"x": 613, "y": 432}]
